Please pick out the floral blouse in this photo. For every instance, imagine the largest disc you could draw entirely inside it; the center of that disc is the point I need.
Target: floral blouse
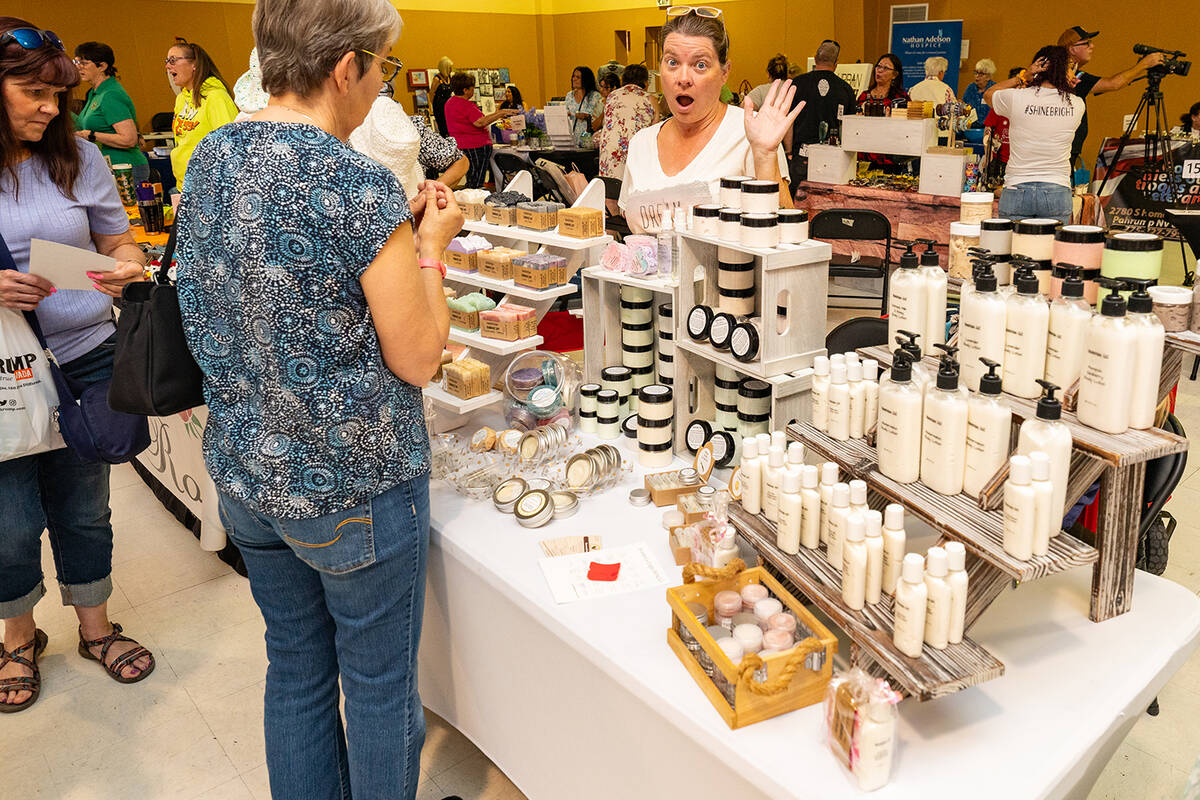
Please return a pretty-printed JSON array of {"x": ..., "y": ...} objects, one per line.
[
  {"x": 628, "y": 110},
  {"x": 593, "y": 105}
]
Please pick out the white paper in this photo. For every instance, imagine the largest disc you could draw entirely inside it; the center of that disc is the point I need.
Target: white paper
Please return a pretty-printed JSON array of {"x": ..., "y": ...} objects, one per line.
[
  {"x": 568, "y": 580},
  {"x": 557, "y": 121},
  {"x": 65, "y": 266}
]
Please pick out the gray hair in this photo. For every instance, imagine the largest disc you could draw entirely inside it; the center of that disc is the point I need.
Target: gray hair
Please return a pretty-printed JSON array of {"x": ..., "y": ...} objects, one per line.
[
  {"x": 827, "y": 53},
  {"x": 301, "y": 41},
  {"x": 445, "y": 66},
  {"x": 934, "y": 65},
  {"x": 986, "y": 65}
]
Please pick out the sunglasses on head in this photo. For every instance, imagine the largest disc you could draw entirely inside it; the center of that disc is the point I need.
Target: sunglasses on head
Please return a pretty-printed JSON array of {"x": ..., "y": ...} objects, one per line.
[
  {"x": 31, "y": 39},
  {"x": 707, "y": 12}
]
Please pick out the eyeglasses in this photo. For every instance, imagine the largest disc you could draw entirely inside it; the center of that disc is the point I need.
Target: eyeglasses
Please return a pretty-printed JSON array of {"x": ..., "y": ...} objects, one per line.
[
  {"x": 32, "y": 39},
  {"x": 390, "y": 66},
  {"x": 79, "y": 62},
  {"x": 885, "y": 67},
  {"x": 981, "y": 72},
  {"x": 172, "y": 60},
  {"x": 708, "y": 12}
]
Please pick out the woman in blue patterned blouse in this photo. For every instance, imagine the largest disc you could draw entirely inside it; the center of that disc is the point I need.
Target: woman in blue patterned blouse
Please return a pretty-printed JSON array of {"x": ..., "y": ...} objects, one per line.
[{"x": 316, "y": 314}]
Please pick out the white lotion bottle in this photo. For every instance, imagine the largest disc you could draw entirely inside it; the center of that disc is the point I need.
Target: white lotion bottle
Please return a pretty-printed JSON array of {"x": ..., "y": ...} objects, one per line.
[
  {"x": 1149, "y": 337},
  {"x": 1043, "y": 502},
  {"x": 894, "y": 542},
  {"x": 838, "y": 403},
  {"x": 839, "y": 518},
  {"x": 772, "y": 483},
  {"x": 874, "y": 543},
  {"x": 1106, "y": 383},
  {"x": 858, "y": 496},
  {"x": 857, "y": 391},
  {"x": 1048, "y": 433},
  {"x": 989, "y": 429},
  {"x": 810, "y": 531},
  {"x": 1027, "y": 320},
  {"x": 829, "y": 478},
  {"x": 791, "y": 514},
  {"x": 906, "y": 297},
  {"x": 981, "y": 323},
  {"x": 898, "y": 432},
  {"x": 922, "y": 375},
  {"x": 820, "y": 393},
  {"x": 908, "y": 631},
  {"x": 751, "y": 470},
  {"x": 1020, "y": 513},
  {"x": 956, "y": 562},
  {"x": 937, "y": 607},
  {"x": 870, "y": 393},
  {"x": 854, "y": 562},
  {"x": 795, "y": 458},
  {"x": 935, "y": 279},
  {"x": 944, "y": 435},
  {"x": 1067, "y": 336},
  {"x": 876, "y": 738}
]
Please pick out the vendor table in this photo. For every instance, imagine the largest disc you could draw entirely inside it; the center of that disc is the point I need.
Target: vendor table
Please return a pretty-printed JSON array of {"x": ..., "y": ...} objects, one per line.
[{"x": 586, "y": 700}]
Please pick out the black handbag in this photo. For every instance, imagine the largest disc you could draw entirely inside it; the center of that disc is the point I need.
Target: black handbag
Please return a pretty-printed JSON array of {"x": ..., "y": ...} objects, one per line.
[
  {"x": 154, "y": 372},
  {"x": 88, "y": 425}
]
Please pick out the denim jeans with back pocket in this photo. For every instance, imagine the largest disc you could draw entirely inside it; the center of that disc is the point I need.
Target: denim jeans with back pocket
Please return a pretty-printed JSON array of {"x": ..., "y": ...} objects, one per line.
[
  {"x": 342, "y": 596},
  {"x": 1036, "y": 200}
]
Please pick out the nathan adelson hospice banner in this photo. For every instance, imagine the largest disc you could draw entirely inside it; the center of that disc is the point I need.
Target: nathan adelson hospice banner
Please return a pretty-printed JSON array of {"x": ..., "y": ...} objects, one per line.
[{"x": 916, "y": 41}]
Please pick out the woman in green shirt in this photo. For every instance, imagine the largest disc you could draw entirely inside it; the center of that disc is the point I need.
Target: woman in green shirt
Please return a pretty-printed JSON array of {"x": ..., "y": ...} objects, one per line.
[
  {"x": 204, "y": 104},
  {"x": 108, "y": 117}
]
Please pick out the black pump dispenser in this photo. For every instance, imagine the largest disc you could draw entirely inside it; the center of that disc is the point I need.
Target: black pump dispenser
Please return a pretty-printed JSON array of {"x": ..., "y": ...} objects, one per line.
[
  {"x": 1140, "y": 301},
  {"x": 1114, "y": 303},
  {"x": 1072, "y": 285},
  {"x": 930, "y": 257},
  {"x": 1027, "y": 282},
  {"x": 901, "y": 367},
  {"x": 908, "y": 343},
  {"x": 908, "y": 259},
  {"x": 990, "y": 382},
  {"x": 1048, "y": 406},
  {"x": 985, "y": 277},
  {"x": 947, "y": 377}
]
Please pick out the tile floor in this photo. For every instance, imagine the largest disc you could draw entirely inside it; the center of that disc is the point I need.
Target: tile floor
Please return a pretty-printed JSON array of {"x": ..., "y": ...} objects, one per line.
[{"x": 194, "y": 728}]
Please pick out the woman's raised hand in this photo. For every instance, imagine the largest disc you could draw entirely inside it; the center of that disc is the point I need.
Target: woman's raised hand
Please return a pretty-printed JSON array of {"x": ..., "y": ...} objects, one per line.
[{"x": 766, "y": 128}]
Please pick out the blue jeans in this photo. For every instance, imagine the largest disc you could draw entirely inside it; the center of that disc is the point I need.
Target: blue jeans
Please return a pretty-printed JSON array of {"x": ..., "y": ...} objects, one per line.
[
  {"x": 343, "y": 596},
  {"x": 1036, "y": 200},
  {"x": 58, "y": 492}
]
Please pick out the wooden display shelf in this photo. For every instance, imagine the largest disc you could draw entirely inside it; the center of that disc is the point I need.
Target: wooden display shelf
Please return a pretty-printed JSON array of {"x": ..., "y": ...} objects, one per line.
[
  {"x": 656, "y": 285},
  {"x": 752, "y": 369},
  {"x": 1187, "y": 341},
  {"x": 935, "y": 674},
  {"x": 958, "y": 517}
]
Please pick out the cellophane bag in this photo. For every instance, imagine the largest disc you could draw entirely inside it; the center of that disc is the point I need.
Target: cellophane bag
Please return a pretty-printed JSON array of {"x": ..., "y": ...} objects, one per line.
[{"x": 860, "y": 726}]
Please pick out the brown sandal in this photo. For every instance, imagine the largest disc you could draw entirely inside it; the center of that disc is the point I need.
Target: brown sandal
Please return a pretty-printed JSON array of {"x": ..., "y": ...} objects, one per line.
[
  {"x": 120, "y": 662},
  {"x": 24, "y": 683}
]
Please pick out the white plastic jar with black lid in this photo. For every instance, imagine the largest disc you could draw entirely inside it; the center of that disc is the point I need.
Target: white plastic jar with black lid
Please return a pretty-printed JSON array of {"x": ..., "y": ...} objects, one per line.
[
  {"x": 698, "y": 432},
  {"x": 793, "y": 225},
  {"x": 655, "y": 431},
  {"x": 725, "y": 394},
  {"x": 588, "y": 407},
  {"x": 619, "y": 379},
  {"x": 730, "y": 193},
  {"x": 760, "y": 197},
  {"x": 721, "y": 329},
  {"x": 608, "y": 414},
  {"x": 706, "y": 219},
  {"x": 746, "y": 340},
  {"x": 698, "y": 321},
  {"x": 754, "y": 407},
  {"x": 729, "y": 225},
  {"x": 760, "y": 230}
]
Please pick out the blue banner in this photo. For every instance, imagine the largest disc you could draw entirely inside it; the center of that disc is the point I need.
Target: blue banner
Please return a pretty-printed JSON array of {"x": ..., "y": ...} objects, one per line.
[{"x": 916, "y": 41}]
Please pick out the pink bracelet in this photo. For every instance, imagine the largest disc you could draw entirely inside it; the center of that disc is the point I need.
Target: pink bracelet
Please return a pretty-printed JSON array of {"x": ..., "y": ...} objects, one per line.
[{"x": 432, "y": 263}]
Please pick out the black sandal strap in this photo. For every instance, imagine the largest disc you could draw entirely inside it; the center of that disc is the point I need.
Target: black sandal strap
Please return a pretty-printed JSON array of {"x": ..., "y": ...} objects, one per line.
[
  {"x": 18, "y": 684},
  {"x": 126, "y": 659}
]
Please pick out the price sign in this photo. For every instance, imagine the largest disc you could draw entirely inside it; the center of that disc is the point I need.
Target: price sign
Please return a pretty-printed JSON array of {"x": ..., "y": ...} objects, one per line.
[{"x": 1191, "y": 169}]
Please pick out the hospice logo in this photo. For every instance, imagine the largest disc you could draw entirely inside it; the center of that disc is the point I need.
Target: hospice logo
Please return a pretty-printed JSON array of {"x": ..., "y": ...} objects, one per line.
[
  {"x": 20, "y": 367},
  {"x": 932, "y": 39}
]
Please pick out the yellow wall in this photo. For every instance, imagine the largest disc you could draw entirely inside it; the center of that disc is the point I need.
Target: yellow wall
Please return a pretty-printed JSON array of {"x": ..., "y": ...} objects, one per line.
[{"x": 541, "y": 41}]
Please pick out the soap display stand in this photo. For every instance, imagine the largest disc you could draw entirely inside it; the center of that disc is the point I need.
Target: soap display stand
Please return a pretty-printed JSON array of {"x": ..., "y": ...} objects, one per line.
[
  {"x": 1118, "y": 462},
  {"x": 497, "y": 353},
  {"x": 602, "y": 316}
]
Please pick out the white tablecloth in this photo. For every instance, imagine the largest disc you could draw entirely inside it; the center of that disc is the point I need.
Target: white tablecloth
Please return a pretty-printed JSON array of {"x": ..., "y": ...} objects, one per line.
[{"x": 585, "y": 700}]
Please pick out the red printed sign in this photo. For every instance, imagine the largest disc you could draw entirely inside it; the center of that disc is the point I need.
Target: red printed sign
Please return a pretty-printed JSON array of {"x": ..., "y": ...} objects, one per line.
[{"x": 603, "y": 572}]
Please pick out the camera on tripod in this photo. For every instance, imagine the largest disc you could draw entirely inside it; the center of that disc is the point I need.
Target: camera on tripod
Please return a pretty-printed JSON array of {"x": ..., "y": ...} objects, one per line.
[{"x": 1174, "y": 65}]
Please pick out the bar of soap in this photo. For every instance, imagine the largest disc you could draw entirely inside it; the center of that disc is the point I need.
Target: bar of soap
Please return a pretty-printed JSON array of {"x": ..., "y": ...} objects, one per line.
[{"x": 483, "y": 440}]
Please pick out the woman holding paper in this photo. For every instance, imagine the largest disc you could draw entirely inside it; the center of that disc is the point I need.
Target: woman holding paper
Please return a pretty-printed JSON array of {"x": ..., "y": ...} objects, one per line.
[
  {"x": 56, "y": 186},
  {"x": 681, "y": 161}
]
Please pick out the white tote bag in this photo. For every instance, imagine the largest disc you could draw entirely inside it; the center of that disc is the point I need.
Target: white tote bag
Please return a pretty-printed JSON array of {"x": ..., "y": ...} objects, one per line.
[{"x": 28, "y": 399}]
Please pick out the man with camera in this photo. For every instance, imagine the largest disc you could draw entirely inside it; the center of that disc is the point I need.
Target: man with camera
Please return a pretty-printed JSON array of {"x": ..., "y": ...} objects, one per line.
[{"x": 1080, "y": 47}]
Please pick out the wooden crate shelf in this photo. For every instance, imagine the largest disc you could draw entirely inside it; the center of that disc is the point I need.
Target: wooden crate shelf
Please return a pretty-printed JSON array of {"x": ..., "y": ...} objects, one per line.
[
  {"x": 959, "y": 517},
  {"x": 935, "y": 674}
]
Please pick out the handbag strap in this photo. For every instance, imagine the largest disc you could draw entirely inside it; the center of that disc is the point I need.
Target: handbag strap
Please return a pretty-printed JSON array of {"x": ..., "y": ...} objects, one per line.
[{"x": 160, "y": 276}]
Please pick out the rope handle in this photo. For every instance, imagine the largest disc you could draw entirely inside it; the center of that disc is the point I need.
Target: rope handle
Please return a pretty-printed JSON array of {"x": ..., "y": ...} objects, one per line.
[
  {"x": 753, "y": 662},
  {"x": 690, "y": 571}
]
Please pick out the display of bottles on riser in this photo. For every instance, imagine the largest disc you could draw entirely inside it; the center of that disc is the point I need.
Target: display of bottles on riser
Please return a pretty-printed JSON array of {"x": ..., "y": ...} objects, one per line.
[
  {"x": 812, "y": 507},
  {"x": 1115, "y": 355},
  {"x": 845, "y": 395}
]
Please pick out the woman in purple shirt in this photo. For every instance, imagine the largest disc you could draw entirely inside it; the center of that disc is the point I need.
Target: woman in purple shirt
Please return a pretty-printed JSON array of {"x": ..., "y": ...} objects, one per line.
[{"x": 56, "y": 186}]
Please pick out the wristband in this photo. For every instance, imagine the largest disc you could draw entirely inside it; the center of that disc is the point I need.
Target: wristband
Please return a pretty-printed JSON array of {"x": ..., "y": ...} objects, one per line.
[{"x": 432, "y": 263}]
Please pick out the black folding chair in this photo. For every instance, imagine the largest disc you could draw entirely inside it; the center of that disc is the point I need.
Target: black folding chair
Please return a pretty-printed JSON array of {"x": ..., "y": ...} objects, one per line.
[
  {"x": 861, "y": 225},
  {"x": 855, "y": 333},
  {"x": 509, "y": 165},
  {"x": 614, "y": 223}
]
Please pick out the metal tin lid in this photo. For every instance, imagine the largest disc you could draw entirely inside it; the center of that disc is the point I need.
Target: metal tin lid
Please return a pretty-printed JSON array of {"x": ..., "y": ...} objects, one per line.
[
  {"x": 706, "y": 491},
  {"x": 534, "y": 509},
  {"x": 688, "y": 476},
  {"x": 506, "y": 494},
  {"x": 581, "y": 471},
  {"x": 538, "y": 483},
  {"x": 565, "y": 504},
  {"x": 639, "y": 497}
]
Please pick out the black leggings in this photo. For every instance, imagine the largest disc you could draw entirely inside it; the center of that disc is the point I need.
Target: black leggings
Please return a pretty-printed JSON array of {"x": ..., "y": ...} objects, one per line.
[{"x": 480, "y": 158}]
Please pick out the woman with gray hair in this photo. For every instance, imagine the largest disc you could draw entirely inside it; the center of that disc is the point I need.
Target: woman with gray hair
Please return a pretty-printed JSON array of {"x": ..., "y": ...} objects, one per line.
[
  {"x": 985, "y": 68},
  {"x": 316, "y": 313}
]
